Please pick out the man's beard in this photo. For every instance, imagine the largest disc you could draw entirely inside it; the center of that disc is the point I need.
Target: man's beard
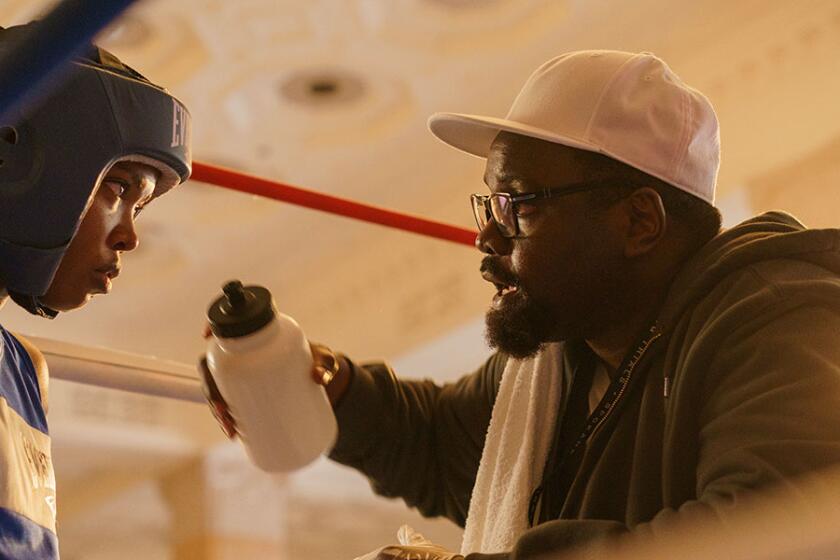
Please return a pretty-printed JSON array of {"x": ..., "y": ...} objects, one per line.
[{"x": 520, "y": 327}]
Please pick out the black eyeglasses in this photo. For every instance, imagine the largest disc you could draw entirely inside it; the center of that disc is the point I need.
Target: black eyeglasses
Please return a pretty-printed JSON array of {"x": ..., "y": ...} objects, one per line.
[{"x": 501, "y": 207}]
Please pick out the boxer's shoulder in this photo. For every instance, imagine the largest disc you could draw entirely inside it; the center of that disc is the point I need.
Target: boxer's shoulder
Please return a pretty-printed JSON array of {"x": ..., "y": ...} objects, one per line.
[{"x": 39, "y": 363}]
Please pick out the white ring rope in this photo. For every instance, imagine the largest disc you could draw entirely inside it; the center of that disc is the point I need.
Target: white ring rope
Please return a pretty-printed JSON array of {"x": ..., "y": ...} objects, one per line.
[{"x": 123, "y": 371}]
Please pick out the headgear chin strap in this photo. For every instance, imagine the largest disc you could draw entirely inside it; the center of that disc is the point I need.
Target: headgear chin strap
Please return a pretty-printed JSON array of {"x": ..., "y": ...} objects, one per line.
[
  {"x": 53, "y": 157},
  {"x": 33, "y": 305}
]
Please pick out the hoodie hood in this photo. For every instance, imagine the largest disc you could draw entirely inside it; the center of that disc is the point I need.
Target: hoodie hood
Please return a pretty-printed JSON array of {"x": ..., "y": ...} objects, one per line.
[{"x": 770, "y": 236}]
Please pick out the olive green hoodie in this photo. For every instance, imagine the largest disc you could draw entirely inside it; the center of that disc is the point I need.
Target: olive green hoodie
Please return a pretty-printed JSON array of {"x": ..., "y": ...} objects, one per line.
[{"x": 735, "y": 388}]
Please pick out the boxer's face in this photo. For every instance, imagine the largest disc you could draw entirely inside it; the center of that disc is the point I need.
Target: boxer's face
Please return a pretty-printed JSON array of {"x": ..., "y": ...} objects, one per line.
[{"x": 107, "y": 231}]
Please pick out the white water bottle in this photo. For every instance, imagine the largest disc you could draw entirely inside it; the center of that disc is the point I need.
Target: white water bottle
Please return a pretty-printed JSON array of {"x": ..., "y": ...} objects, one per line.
[{"x": 261, "y": 363}]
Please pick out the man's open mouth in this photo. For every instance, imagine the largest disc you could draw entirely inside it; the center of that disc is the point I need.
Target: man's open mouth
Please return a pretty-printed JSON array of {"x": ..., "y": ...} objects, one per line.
[
  {"x": 502, "y": 292},
  {"x": 505, "y": 283}
]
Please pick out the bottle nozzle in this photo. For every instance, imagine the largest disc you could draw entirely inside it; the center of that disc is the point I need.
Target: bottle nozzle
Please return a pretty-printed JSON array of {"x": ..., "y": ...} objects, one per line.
[
  {"x": 235, "y": 293},
  {"x": 240, "y": 310}
]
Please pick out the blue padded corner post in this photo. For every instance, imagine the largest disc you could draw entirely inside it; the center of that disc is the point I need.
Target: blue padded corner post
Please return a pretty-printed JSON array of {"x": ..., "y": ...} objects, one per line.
[{"x": 35, "y": 65}]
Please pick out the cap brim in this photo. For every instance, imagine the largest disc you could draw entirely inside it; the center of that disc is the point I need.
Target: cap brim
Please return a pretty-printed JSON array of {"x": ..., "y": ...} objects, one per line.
[{"x": 474, "y": 134}]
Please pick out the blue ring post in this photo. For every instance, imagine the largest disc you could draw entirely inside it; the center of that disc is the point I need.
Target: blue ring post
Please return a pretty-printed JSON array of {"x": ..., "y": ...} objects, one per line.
[{"x": 35, "y": 65}]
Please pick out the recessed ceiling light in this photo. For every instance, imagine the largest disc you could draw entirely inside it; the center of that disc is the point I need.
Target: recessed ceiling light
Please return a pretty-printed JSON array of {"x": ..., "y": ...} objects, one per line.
[{"x": 318, "y": 88}]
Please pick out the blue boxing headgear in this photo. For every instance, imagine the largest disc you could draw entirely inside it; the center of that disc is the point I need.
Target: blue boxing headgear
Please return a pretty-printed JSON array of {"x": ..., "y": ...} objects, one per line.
[{"x": 53, "y": 158}]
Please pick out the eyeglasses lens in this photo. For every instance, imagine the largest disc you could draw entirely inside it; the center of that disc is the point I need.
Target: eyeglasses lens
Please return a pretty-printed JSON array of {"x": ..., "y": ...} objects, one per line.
[
  {"x": 480, "y": 211},
  {"x": 502, "y": 209}
]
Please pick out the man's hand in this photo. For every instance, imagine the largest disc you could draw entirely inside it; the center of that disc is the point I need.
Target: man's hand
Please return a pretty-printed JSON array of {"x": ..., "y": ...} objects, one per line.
[
  {"x": 217, "y": 403},
  {"x": 413, "y": 546},
  {"x": 328, "y": 370}
]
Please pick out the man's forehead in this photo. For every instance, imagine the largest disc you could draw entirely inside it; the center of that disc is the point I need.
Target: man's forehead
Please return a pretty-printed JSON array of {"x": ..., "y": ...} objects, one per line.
[
  {"x": 513, "y": 145},
  {"x": 514, "y": 158},
  {"x": 496, "y": 175}
]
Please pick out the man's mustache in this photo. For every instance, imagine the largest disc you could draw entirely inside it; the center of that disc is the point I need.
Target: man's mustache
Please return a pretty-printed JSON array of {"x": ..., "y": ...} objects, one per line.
[{"x": 494, "y": 267}]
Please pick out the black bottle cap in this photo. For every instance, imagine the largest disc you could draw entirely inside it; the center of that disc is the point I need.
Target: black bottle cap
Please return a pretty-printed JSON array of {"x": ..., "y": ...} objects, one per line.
[{"x": 241, "y": 311}]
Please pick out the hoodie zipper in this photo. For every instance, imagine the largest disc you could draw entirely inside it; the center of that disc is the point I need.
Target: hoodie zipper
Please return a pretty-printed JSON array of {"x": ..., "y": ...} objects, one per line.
[
  {"x": 600, "y": 416},
  {"x": 597, "y": 418}
]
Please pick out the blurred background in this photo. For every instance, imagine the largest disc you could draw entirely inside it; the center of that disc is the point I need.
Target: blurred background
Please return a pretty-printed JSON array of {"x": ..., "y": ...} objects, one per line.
[{"x": 333, "y": 95}]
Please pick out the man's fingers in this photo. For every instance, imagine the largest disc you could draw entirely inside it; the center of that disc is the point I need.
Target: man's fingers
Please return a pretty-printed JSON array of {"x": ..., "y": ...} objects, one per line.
[
  {"x": 422, "y": 552},
  {"x": 322, "y": 375},
  {"x": 224, "y": 419},
  {"x": 325, "y": 364},
  {"x": 215, "y": 400},
  {"x": 211, "y": 391}
]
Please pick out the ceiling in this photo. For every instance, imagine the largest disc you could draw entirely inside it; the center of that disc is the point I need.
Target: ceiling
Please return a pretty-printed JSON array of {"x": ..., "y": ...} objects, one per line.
[
  {"x": 246, "y": 70},
  {"x": 333, "y": 95}
]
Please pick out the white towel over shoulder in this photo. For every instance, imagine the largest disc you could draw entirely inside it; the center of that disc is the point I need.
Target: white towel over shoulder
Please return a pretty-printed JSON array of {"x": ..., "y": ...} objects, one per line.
[{"x": 515, "y": 451}]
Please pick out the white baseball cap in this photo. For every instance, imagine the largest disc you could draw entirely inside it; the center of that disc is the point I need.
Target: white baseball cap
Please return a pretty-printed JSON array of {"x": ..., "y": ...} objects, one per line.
[{"x": 630, "y": 107}]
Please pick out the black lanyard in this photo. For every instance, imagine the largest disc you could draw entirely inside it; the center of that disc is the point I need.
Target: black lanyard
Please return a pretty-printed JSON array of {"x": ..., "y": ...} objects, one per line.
[{"x": 577, "y": 406}]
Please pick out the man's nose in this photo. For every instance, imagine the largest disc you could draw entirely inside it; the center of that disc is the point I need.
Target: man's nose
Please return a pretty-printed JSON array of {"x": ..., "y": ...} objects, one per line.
[{"x": 490, "y": 241}]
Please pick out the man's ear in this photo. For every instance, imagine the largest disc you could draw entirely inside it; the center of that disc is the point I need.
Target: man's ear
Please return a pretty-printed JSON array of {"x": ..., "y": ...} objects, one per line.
[{"x": 646, "y": 222}]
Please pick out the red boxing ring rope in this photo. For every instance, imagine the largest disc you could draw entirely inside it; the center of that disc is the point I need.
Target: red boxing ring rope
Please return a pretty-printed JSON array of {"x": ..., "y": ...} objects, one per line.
[{"x": 242, "y": 182}]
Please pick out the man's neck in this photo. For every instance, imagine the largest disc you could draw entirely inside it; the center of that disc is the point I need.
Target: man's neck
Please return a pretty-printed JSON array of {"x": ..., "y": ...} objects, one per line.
[
  {"x": 613, "y": 345},
  {"x": 647, "y": 295},
  {"x": 616, "y": 339}
]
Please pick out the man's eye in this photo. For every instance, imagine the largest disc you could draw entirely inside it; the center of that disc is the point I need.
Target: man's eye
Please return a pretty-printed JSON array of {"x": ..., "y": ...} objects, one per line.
[
  {"x": 524, "y": 209},
  {"x": 137, "y": 210}
]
